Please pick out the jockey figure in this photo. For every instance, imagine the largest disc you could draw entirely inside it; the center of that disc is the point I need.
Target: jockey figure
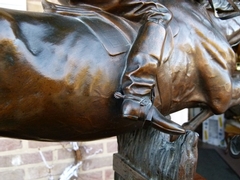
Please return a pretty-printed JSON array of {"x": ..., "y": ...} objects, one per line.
[{"x": 143, "y": 60}]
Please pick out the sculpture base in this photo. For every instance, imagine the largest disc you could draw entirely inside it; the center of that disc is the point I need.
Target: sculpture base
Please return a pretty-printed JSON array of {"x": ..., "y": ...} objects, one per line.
[{"x": 148, "y": 154}]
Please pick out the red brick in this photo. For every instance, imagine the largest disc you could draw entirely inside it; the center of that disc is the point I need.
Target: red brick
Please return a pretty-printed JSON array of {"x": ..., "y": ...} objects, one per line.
[
  {"x": 109, "y": 174},
  {"x": 66, "y": 154},
  {"x": 10, "y": 144},
  {"x": 97, "y": 163},
  {"x": 12, "y": 175},
  {"x": 97, "y": 175},
  {"x": 36, "y": 157},
  {"x": 23, "y": 159},
  {"x": 90, "y": 150},
  {"x": 6, "y": 161},
  {"x": 112, "y": 147},
  {"x": 39, "y": 144},
  {"x": 43, "y": 172},
  {"x": 59, "y": 168},
  {"x": 38, "y": 172}
]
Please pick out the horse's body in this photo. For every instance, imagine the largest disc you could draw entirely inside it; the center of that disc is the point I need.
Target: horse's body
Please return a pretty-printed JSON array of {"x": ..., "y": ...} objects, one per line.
[{"x": 58, "y": 76}]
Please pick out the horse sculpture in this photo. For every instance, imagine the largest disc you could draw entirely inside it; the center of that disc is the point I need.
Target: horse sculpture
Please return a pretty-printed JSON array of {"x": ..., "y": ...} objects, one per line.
[{"x": 59, "y": 71}]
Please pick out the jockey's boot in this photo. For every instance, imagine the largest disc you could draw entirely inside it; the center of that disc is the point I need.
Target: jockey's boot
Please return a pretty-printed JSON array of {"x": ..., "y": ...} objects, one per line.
[
  {"x": 139, "y": 79},
  {"x": 136, "y": 108}
]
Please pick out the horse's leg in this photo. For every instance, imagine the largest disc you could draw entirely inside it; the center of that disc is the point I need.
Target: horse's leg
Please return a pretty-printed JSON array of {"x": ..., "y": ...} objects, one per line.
[
  {"x": 198, "y": 119},
  {"x": 219, "y": 95},
  {"x": 194, "y": 122},
  {"x": 235, "y": 92},
  {"x": 206, "y": 113}
]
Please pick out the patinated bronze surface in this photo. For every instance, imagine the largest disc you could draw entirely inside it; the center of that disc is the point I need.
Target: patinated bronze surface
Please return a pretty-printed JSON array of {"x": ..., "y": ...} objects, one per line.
[
  {"x": 147, "y": 154},
  {"x": 60, "y": 70}
]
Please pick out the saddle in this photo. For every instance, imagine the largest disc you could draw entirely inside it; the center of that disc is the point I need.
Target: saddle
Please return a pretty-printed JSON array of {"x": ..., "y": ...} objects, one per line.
[{"x": 115, "y": 33}]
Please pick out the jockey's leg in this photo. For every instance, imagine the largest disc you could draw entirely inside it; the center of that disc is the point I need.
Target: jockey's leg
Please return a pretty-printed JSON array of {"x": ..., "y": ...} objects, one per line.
[{"x": 139, "y": 77}]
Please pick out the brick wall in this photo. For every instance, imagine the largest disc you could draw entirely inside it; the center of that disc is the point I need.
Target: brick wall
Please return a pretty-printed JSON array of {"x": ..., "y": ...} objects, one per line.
[{"x": 22, "y": 160}]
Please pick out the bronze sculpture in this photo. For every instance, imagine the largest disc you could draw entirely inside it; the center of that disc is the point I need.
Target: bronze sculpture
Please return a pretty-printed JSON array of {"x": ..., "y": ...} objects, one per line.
[
  {"x": 143, "y": 60},
  {"x": 51, "y": 81}
]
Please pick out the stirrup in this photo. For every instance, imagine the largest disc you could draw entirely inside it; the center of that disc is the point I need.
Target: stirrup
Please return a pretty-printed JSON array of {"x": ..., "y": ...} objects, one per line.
[{"x": 134, "y": 107}]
